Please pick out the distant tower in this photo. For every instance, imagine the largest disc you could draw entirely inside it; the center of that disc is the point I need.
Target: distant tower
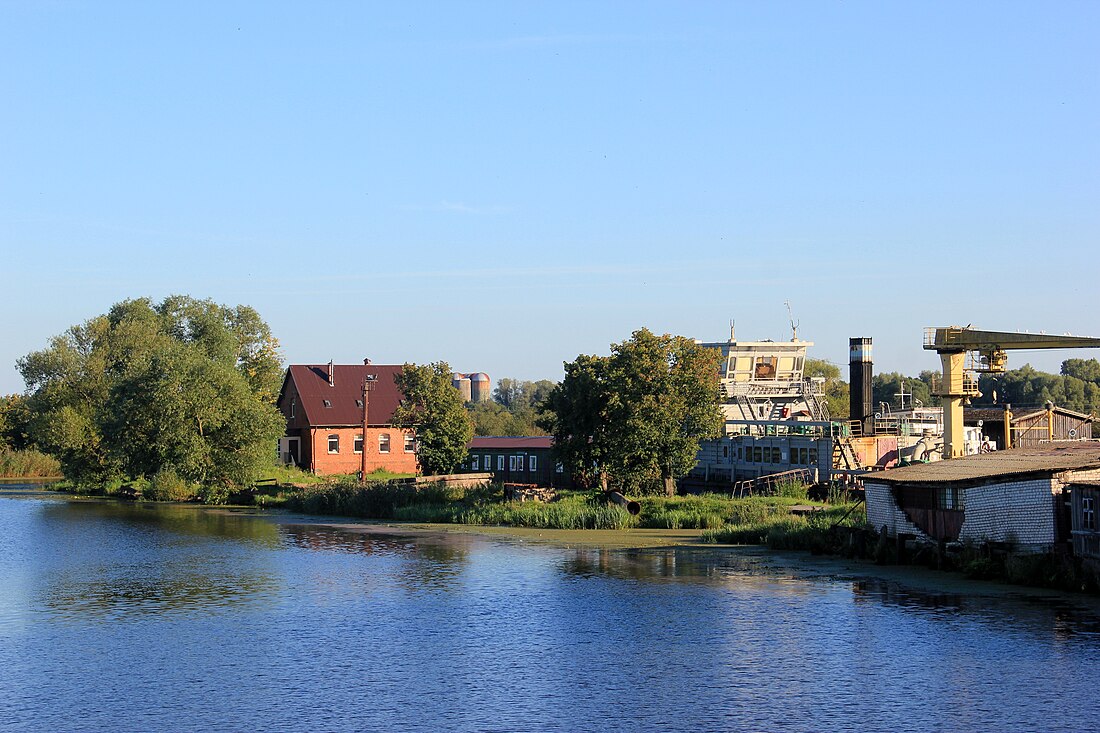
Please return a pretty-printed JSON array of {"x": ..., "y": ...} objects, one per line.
[
  {"x": 861, "y": 369},
  {"x": 480, "y": 387},
  {"x": 462, "y": 383}
]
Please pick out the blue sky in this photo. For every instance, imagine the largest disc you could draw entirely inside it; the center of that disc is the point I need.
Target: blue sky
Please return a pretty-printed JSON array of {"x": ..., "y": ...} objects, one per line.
[{"x": 506, "y": 185}]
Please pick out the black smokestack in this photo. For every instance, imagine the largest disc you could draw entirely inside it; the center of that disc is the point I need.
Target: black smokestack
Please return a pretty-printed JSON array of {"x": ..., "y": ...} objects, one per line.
[{"x": 861, "y": 369}]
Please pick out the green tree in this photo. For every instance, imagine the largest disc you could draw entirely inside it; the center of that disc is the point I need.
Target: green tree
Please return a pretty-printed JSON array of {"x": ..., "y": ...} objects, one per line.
[
  {"x": 433, "y": 409},
  {"x": 15, "y": 420},
  {"x": 578, "y": 415},
  {"x": 836, "y": 389},
  {"x": 638, "y": 415},
  {"x": 180, "y": 386},
  {"x": 887, "y": 387}
]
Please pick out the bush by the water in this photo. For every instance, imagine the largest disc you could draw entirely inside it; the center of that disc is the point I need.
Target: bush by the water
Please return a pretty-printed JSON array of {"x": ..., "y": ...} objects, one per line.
[
  {"x": 168, "y": 486},
  {"x": 27, "y": 463}
]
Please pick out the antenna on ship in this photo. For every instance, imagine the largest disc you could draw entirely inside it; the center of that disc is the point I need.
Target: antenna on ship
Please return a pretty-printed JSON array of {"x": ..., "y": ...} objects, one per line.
[{"x": 794, "y": 324}]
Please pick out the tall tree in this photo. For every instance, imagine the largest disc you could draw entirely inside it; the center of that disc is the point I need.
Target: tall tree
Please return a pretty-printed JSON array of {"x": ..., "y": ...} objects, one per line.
[
  {"x": 577, "y": 413},
  {"x": 638, "y": 415},
  {"x": 179, "y": 386},
  {"x": 433, "y": 409}
]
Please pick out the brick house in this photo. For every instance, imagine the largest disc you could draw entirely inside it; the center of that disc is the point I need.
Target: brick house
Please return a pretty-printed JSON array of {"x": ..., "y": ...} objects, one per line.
[
  {"x": 1016, "y": 496},
  {"x": 334, "y": 426}
]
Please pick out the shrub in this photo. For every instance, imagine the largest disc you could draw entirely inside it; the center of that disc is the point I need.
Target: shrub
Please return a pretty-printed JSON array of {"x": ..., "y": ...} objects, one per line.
[{"x": 167, "y": 485}]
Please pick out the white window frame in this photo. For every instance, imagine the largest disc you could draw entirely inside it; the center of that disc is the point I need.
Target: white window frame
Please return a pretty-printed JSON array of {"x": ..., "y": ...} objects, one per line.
[
  {"x": 475, "y": 463},
  {"x": 358, "y": 440},
  {"x": 383, "y": 442},
  {"x": 519, "y": 463},
  {"x": 410, "y": 443},
  {"x": 511, "y": 463},
  {"x": 532, "y": 463},
  {"x": 333, "y": 438},
  {"x": 500, "y": 462}
]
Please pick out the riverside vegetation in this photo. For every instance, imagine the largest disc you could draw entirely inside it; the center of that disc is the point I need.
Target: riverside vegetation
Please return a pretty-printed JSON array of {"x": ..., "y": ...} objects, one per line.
[{"x": 763, "y": 520}]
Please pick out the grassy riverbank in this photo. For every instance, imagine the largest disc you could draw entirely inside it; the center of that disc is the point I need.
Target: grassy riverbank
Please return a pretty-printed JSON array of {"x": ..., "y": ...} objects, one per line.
[{"x": 753, "y": 520}]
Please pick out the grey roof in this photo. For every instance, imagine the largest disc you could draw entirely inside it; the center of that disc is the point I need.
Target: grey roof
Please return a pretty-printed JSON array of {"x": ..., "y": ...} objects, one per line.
[{"x": 1049, "y": 459}]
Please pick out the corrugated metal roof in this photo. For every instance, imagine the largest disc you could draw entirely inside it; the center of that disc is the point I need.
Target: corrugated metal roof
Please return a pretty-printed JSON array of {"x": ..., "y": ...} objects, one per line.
[
  {"x": 1046, "y": 459},
  {"x": 343, "y": 395},
  {"x": 511, "y": 442}
]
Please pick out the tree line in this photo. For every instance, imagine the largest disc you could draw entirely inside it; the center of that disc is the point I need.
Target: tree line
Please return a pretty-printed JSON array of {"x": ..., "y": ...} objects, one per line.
[{"x": 183, "y": 386}]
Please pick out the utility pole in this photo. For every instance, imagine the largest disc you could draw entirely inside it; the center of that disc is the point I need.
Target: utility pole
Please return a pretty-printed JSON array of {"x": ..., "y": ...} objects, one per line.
[{"x": 368, "y": 387}]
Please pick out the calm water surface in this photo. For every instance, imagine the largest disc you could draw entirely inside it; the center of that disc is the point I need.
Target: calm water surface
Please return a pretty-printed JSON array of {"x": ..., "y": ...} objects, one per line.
[{"x": 129, "y": 617}]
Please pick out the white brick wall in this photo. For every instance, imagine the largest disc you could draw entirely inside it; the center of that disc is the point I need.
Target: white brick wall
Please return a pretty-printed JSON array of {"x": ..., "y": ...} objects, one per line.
[
  {"x": 883, "y": 510},
  {"x": 1017, "y": 510}
]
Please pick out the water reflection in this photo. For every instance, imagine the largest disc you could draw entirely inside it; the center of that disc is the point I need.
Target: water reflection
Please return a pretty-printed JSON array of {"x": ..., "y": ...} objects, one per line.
[
  {"x": 278, "y": 622},
  {"x": 424, "y": 562}
]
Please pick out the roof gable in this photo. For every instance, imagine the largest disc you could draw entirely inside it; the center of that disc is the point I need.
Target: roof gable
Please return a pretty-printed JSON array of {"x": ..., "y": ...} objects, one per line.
[{"x": 340, "y": 403}]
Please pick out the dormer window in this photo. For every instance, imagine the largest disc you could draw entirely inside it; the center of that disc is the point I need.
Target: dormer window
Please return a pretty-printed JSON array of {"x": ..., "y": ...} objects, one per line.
[
  {"x": 359, "y": 403},
  {"x": 328, "y": 403}
]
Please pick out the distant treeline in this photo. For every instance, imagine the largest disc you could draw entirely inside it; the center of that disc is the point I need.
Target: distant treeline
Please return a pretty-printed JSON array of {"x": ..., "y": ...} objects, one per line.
[
  {"x": 513, "y": 409},
  {"x": 1076, "y": 387}
]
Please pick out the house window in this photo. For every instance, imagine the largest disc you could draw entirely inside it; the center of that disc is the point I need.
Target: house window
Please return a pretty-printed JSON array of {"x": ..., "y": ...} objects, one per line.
[
  {"x": 1088, "y": 513},
  {"x": 757, "y": 454},
  {"x": 558, "y": 468},
  {"x": 357, "y": 446},
  {"x": 519, "y": 463},
  {"x": 812, "y": 457},
  {"x": 334, "y": 444},
  {"x": 500, "y": 463},
  {"x": 359, "y": 403},
  {"x": 328, "y": 403},
  {"x": 410, "y": 445},
  {"x": 293, "y": 404},
  {"x": 384, "y": 443},
  {"x": 488, "y": 463},
  {"x": 532, "y": 465},
  {"x": 475, "y": 465},
  {"x": 511, "y": 463},
  {"x": 949, "y": 498},
  {"x": 777, "y": 456}
]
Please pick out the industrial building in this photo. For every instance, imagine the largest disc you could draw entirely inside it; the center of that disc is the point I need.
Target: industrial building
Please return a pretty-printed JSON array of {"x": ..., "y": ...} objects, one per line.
[
  {"x": 777, "y": 421},
  {"x": 1017, "y": 497},
  {"x": 474, "y": 387}
]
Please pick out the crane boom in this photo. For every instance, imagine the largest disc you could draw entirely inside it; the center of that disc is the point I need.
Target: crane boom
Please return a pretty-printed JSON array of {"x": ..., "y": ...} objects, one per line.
[{"x": 952, "y": 344}]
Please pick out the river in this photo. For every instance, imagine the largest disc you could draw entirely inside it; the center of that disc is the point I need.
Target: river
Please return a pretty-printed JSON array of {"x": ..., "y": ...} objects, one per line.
[{"x": 145, "y": 617}]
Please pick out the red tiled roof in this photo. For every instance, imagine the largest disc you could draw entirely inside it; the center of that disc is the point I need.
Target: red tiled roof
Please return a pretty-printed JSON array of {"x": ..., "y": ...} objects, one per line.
[
  {"x": 312, "y": 383},
  {"x": 511, "y": 442}
]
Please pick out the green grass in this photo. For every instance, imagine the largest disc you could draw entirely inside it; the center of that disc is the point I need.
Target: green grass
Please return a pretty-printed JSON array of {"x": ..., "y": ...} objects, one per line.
[
  {"x": 753, "y": 517},
  {"x": 822, "y": 531}
]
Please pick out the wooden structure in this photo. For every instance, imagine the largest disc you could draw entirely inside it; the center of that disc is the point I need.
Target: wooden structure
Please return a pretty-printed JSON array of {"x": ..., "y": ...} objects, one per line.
[{"x": 1029, "y": 427}]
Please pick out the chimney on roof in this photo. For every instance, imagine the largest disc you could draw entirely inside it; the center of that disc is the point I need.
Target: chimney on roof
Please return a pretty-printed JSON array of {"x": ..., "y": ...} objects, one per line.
[
  {"x": 367, "y": 361},
  {"x": 331, "y": 383}
]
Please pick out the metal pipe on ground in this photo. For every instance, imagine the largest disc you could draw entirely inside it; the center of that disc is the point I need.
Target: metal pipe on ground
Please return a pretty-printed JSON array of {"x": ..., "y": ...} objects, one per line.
[{"x": 632, "y": 507}]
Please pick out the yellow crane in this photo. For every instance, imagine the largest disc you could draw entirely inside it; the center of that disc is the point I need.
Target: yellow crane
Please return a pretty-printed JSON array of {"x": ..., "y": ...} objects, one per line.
[{"x": 964, "y": 352}]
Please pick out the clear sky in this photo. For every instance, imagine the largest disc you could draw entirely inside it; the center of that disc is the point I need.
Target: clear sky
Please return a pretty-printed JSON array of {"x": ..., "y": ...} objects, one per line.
[{"x": 506, "y": 185}]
